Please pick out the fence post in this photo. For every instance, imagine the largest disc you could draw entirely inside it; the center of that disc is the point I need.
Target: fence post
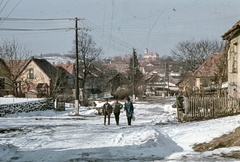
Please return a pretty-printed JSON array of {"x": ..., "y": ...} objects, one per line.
[
  {"x": 55, "y": 104},
  {"x": 178, "y": 115}
]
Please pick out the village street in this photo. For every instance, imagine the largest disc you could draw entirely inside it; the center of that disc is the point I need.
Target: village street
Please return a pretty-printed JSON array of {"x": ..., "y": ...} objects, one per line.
[{"x": 155, "y": 135}]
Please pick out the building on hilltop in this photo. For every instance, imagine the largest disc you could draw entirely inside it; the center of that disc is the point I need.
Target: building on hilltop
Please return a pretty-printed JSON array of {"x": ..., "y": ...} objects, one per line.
[{"x": 150, "y": 55}]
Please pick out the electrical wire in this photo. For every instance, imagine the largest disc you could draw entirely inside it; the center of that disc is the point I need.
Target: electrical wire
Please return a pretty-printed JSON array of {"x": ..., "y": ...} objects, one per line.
[
  {"x": 4, "y": 6},
  {"x": 11, "y": 11},
  {"x": 49, "y": 29},
  {"x": 1, "y": 2},
  {"x": 34, "y": 19},
  {"x": 100, "y": 31}
]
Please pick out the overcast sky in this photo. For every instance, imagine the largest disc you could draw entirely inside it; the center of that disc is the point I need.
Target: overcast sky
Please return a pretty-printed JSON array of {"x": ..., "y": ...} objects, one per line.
[{"x": 118, "y": 25}]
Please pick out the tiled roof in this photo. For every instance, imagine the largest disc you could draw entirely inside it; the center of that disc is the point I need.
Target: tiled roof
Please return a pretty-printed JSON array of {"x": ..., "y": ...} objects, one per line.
[
  {"x": 68, "y": 67},
  {"x": 121, "y": 68},
  {"x": 152, "y": 77},
  {"x": 236, "y": 26},
  {"x": 211, "y": 66},
  {"x": 151, "y": 69},
  {"x": 174, "y": 80},
  {"x": 16, "y": 66}
]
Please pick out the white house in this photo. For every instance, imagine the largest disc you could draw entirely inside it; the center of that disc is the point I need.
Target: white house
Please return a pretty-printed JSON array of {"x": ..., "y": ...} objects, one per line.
[{"x": 232, "y": 36}]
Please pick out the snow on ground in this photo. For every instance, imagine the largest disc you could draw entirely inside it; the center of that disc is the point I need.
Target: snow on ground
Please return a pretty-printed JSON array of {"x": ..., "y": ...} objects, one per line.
[
  {"x": 155, "y": 135},
  {"x": 11, "y": 100}
]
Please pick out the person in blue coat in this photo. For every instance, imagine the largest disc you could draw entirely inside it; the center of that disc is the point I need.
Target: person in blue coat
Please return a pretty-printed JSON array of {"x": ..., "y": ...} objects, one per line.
[{"x": 128, "y": 107}]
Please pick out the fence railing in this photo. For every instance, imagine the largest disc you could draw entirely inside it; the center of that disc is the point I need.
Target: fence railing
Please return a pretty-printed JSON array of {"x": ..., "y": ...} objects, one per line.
[{"x": 199, "y": 108}]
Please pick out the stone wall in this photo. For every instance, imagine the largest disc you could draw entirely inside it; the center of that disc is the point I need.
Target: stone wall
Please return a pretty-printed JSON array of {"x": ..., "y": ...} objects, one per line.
[{"x": 27, "y": 106}]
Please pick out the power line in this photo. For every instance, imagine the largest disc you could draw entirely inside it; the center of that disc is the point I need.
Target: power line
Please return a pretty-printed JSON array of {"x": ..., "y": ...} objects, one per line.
[
  {"x": 101, "y": 32},
  {"x": 49, "y": 29},
  {"x": 153, "y": 25},
  {"x": 11, "y": 11},
  {"x": 31, "y": 33},
  {"x": 34, "y": 19},
  {"x": 113, "y": 6},
  {"x": 103, "y": 37},
  {"x": 4, "y": 6}
]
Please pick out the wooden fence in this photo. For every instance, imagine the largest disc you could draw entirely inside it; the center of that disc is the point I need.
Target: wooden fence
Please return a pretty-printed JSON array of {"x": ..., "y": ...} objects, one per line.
[{"x": 200, "y": 108}]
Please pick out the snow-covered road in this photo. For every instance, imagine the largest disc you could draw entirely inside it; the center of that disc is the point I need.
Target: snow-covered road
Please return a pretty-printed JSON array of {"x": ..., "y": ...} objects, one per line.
[{"x": 154, "y": 136}]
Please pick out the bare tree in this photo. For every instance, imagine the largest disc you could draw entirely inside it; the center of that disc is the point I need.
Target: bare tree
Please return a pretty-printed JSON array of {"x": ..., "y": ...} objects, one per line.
[
  {"x": 15, "y": 55},
  {"x": 88, "y": 53},
  {"x": 191, "y": 54},
  {"x": 222, "y": 66},
  {"x": 62, "y": 82}
]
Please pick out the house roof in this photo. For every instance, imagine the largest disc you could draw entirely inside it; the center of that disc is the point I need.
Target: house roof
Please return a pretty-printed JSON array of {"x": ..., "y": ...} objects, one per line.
[
  {"x": 68, "y": 67},
  {"x": 1, "y": 60},
  {"x": 210, "y": 67},
  {"x": 149, "y": 69},
  {"x": 174, "y": 80},
  {"x": 7, "y": 68},
  {"x": 121, "y": 68},
  {"x": 44, "y": 65},
  {"x": 231, "y": 31},
  {"x": 152, "y": 77},
  {"x": 64, "y": 72},
  {"x": 122, "y": 77},
  {"x": 16, "y": 66},
  {"x": 188, "y": 80}
]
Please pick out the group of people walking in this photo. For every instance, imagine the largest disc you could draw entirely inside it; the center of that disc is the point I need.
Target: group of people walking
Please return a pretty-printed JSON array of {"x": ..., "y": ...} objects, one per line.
[{"x": 116, "y": 109}]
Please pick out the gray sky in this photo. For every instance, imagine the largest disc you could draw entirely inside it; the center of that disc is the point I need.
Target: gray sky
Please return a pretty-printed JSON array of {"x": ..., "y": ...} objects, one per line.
[{"x": 118, "y": 25}]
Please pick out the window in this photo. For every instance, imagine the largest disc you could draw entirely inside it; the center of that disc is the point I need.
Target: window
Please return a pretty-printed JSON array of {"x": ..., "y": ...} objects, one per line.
[
  {"x": 235, "y": 53},
  {"x": 2, "y": 83},
  {"x": 31, "y": 73}
]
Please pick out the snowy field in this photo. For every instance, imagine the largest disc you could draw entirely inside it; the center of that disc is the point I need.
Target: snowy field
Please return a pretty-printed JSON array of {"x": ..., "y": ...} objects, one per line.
[{"x": 155, "y": 135}]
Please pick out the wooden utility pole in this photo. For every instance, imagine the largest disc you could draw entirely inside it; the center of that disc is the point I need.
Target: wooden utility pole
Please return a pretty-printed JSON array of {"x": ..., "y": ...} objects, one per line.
[
  {"x": 166, "y": 78},
  {"x": 133, "y": 64},
  {"x": 77, "y": 70}
]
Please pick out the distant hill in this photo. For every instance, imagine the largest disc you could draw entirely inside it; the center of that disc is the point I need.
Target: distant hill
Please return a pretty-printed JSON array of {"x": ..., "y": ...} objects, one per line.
[{"x": 56, "y": 58}]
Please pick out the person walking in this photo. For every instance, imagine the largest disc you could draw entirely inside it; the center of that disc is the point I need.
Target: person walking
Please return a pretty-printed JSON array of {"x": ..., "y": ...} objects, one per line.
[
  {"x": 107, "y": 111},
  {"x": 128, "y": 107},
  {"x": 116, "y": 110}
]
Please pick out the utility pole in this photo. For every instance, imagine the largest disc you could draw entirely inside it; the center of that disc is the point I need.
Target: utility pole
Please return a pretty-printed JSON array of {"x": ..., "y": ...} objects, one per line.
[
  {"x": 77, "y": 70},
  {"x": 133, "y": 64},
  {"x": 166, "y": 77}
]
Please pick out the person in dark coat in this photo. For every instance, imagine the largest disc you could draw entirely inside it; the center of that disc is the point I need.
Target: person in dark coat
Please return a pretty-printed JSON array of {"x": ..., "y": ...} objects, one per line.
[
  {"x": 107, "y": 111},
  {"x": 128, "y": 107},
  {"x": 116, "y": 110}
]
